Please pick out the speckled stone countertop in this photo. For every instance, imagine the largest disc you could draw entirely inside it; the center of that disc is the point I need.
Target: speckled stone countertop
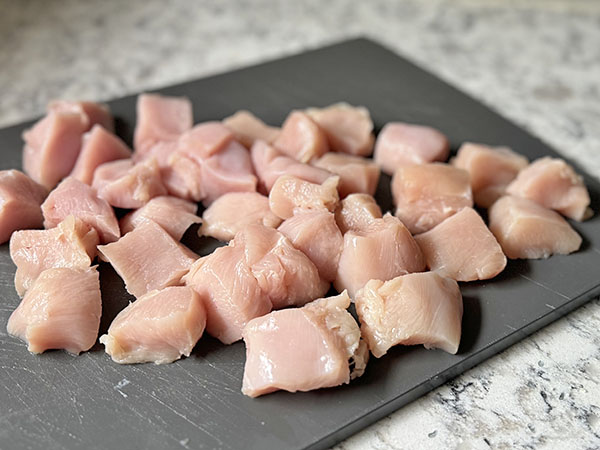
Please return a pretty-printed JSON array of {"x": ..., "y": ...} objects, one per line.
[{"x": 537, "y": 62}]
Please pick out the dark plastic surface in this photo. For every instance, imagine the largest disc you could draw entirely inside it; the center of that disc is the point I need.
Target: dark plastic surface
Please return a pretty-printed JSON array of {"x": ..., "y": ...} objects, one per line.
[{"x": 57, "y": 401}]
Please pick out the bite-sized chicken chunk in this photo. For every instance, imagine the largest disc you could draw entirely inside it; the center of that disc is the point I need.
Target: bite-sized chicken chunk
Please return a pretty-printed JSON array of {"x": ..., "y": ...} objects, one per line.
[
  {"x": 99, "y": 146},
  {"x": 173, "y": 214},
  {"x": 318, "y": 236},
  {"x": 159, "y": 327},
  {"x": 247, "y": 128},
  {"x": 427, "y": 194},
  {"x": 462, "y": 248},
  {"x": 553, "y": 183},
  {"x": 383, "y": 250},
  {"x": 205, "y": 140},
  {"x": 527, "y": 230},
  {"x": 418, "y": 308},
  {"x": 61, "y": 311},
  {"x": 20, "y": 200},
  {"x": 71, "y": 244},
  {"x": 301, "y": 138},
  {"x": 302, "y": 349},
  {"x": 356, "y": 174},
  {"x": 356, "y": 212},
  {"x": 148, "y": 258},
  {"x": 491, "y": 170},
  {"x": 234, "y": 211},
  {"x": 96, "y": 113},
  {"x": 72, "y": 197},
  {"x": 290, "y": 193},
  {"x": 349, "y": 129},
  {"x": 161, "y": 152},
  {"x": 182, "y": 177}
]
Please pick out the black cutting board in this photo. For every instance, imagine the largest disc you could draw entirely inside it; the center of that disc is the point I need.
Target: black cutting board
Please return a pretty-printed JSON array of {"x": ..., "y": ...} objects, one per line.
[{"x": 56, "y": 401}]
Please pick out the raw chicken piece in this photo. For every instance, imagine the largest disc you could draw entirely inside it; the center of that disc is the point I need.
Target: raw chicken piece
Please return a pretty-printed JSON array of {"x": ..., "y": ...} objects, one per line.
[
  {"x": 491, "y": 170},
  {"x": 183, "y": 177},
  {"x": 161, "y": 152},
  {"x": 290, "y": 192},
  {"x": 427, "y": 194},
  {"x": 20, "y": 199},
  {"x": 463, "y": 248},
  {"x": 124, "y": 184},
  {"x": 72, "y": 197},
  {"x": 418, "y": 308},
  {"x": 302, "y": 349},
  {"x": 247, "y": 128},
  {"x": 71, "y": 244},
  {"x": 96, "y": 113},
  {"x": 270, "y": 164},
  {"x": 356, "y": 212},
  {"x": 148, "y": 258},
  {"x": 317, "y": 235},
  {"x": 52, "y": 146},
  {"x": 160, "y": 118},
  {"x": 349, "y": 129},
  {"x": 356, "y": 174},
  {"x": 301, "y": 138},
  {"x": 158, "y": 327},
  {"x": 553, "y": 183},
  {"x": 205, "y": 140},
  {"x": 234, "y": 211},
  {"x": 99, "y": 146},
  {"x": 61, "y": 311},
  {"x": 527, "y": 230},
  {"x": 383, "y": 250},
  {"x": 402, "y": 144},
  {"x": 173, "y": 214}
]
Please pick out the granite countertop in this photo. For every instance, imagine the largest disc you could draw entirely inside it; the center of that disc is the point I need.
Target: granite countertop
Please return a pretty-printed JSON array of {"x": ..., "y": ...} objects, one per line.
[{"x": 537, "y": 62}]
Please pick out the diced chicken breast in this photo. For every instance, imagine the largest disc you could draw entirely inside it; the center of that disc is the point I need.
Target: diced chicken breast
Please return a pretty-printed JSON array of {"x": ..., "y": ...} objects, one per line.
[
  {"x": 462, "y": 248},
  {"x": 418, "y": 308},
  {"x": 148, "y": 258},
  {"x": 233, "y": 211},
  {"x": 20, "y": 199},
  {"x": 96, "y": 113},
  {"x": 553, "y": 183},
  {"x": 527, "y": 230},
  {"x": 402, "y": 144},
  {"x": 427, "y": 194},
  {"x": 356, "y": 212},
  {"x": 317, "y": 235},
  {"x": 302, "y": 349},
  {"x": 71, "y": 244},
  {"x": 356, "y": 174},
  {"x": 383, "y": 250},
  {"x": 290, "y": 192},
  {"x": 349, "y": 129},
  {"x": 301, "y": 138},
  {"x": 161, "y": 152},
  {"x": 173, "y": 214},
  {"x": 159, "y": 327},
  {"x": 61, "y": 311},
  {"x": 72, "y": 197},
  {"x": 491, "y": 170},
  {"x": 247, "y": 128},
  {"x": 183, "y": 177},
  {"x": 99, "y": 146},
  {"x": 205, "y": 140}
]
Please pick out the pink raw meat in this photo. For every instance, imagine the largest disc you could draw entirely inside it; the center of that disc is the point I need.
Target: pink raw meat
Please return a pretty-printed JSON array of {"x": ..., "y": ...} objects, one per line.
[
  {"x": 182, "y": 177},
  {"x": 356, "y": 174},
  {"x": 289, "y": 193},
  {"x": 205, "y": 140},
  {"x": 96, "y": 113},
  {"x": 356, "y": 212},
  {"x": 301, "y": 138},
  {"x": 247, "y": 128}
]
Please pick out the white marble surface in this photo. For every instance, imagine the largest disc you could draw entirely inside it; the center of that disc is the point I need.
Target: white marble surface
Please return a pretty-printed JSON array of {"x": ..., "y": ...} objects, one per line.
[{"x": 537, "y": 62}]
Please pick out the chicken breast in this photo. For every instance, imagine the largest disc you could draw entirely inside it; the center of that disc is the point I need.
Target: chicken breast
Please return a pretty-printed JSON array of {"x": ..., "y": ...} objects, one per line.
[
  {"x": 356, "y": 212},
  {"x": 553, "y": 183},
  {"x": 49, "y": 318},
  {"x": 383, "y": 250},
  {"x": 96, "y": 113},
  {"x": 205, "y": 140},
  {"x": 20, "y": 199},
  {"x": 145, "y": 267},
  {"x": 173, "y": 214},
  {"x": 527, "y": 230},
  {"x": 301, "y": 138},
  {"x": 72, "y": 197},
  {"x": 302, "y": 349},
  {"x": 233, "y": 211},
  {"x": 183, "y": 177},
  {"x": 290, "y": 193},
  {"x": 418, "y": 308},
  {"x": 402, "y": 144},
  {"x": 247, "y": 128},
  {"x": 462, "y": 248},
  {"x": 159, "y": 327},
  {"x": 356, "y": 174},
  {"x": 71, "y": 244},
  {"x": 491, "y": 170},
  {"x": 427, "y": 194}
]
